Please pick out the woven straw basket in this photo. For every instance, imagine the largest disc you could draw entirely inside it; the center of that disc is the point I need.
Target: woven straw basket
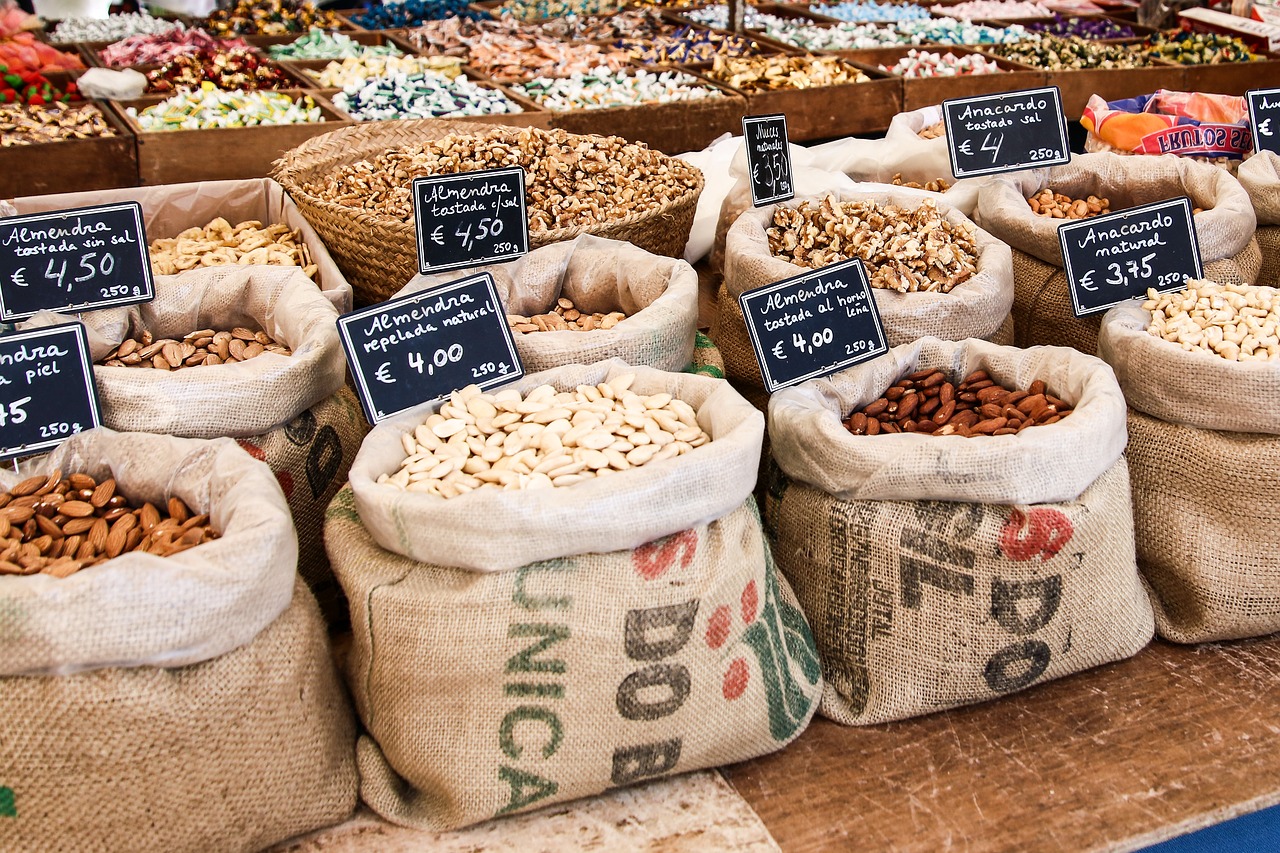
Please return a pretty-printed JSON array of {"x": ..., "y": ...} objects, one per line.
[{"x": 378, "y": 253}]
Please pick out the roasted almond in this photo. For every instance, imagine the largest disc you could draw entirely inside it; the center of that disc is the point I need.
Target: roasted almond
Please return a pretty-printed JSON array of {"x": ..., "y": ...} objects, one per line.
[
  {"x": 105, "y": 491},
  {"x": 76, "y": 509}
]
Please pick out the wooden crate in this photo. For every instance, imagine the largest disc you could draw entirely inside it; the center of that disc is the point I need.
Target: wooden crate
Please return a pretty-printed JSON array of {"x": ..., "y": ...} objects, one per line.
[
  {"x": 230, "y": 153},
  {"x": 1112, "y": 84},
  {"x": 1232, "y": 78},
  {"x": 81, "y": 164},
  {"x": 931, "y": 91},
  {"x": 533, "y": 115}
]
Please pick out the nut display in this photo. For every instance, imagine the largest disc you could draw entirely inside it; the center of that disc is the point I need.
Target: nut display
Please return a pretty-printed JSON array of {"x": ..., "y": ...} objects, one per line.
[
  {"x": 508, "y": 50},
  {"x": 866, "y": 11},
  {"x": 158, "y": 48},
  {"x": 603, "y": 88},
  {"x": 919, "y": 64},
  {"x": 208, "y": 107},
  {"x": 270, "y": 18},
  {"x": 1187, "y": 48},
  {"x": 904, "y": 250},
  {"x": 762, "y": 73},
  {"x": 319, "y": 44},
  {"x": 937, "y": 130},
  {"x": 999, "y": 10},
  {"x": 935, "y": 185},
  {"x": 1061, "y": 206},
  {"x": 687, "y": 45},
  {"x": 401, "y": 96},
  {"x": 1239, "y": 322},
  {"x": 340, "y": 75},
  {"x": 564, "y": 316},
  {"x": 569, "y": 181},
  {"x": 1088, "y": 28},
  {"x": 110, "y": 28},
  {"x": 56, "y": 526},
  {"x": 543, "y": 439},
  {"x": 928, "y": 402},
  {"x": 201, "y": 348},
  {"x": 1063, "y": 54},
  {"x": 229, "y": 70},
  {"x": 27, "y": 125},
  {"x": 629, "y": 23},
  {"x": 220, "y": 243}
]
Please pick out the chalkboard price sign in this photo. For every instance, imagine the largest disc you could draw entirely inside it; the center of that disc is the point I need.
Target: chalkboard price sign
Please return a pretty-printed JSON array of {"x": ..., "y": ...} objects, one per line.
[
  {"x": 813, "y": 324},
  {"x": 73, "y": 260},
  {"x": 768, "y": 158},
  {"x": 470, "y": 219},
  {"x": 47, "y": 392},
  {"x": 425, "y": 345},
  {"x": 1005, "y": 132},
  {"x": 1110, "y": 259},
  {"x": 1264, "y": 117}
]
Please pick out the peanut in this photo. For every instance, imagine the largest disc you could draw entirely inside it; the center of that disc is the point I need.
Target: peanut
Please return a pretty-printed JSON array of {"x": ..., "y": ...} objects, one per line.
[
  {"x": 927, "y": 401},
  {"x": 542, "y": 439}
]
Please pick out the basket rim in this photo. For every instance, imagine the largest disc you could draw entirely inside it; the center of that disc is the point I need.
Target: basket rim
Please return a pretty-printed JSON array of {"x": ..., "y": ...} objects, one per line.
[{"x": 287, "y": 172}]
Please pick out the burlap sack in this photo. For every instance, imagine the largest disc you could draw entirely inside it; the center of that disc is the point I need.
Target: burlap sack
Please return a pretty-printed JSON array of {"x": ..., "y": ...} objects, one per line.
[
  {"x": 292, "y": 412},
  {"x": 658, "y": 294},
  {"x": 1260, "y": 177},
  {"x": 492, "y": 530},
  {"x": 171, "y": 209},
  {"x": 1206, "y": 513},
  {"x": 1047, "y": 464},
  {"x": 707, "y": 360},
  {"x": 921, "y": 606},
  {"x": 489, "y": 694},
  {"x": 235, "y": 754},
  {"x": 141, "y": 609},
  {"x": 978, "y": 308},
  {"x": 1203, "y": 440},
  {"x": 1042, "y": 306},
  {"x": 1193, "y": 388}
]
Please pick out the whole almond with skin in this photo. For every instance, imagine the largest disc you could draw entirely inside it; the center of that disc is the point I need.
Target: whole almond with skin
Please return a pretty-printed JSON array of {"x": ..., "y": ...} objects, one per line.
[
  {"x": 48, "y": 527},
  {"x": 178, "y": 510},
  {"x": 97, "y": 536},
  {"x": 76, "y": 509},
  {"x": 115, "y": 541},
  {"x": 27, "y": 486},
  {"x": 105, "y": 491},
  {"x": 81, "y": 481}
]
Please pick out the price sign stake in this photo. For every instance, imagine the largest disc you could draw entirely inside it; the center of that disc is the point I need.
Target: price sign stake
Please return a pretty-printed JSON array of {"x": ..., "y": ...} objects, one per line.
[
  {"x": 470, "y": 219},
  {"x": 47, "y": 392},
  {"x": 1110, "y": 259},
  {"x": 768, "y": 158},
  {"x": 1006, "y": 132},
  {"x": 813, "y": 324},
  {"x": 74, "y": 260},
  {"x": 423, "y": 346}
]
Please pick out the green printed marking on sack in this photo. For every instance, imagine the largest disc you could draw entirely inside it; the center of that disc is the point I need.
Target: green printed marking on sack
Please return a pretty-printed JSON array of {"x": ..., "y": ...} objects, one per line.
[
  {"x": 343, "y": 507},
  {"x": 533, "y": 731},
  {"x": 8, "y": 803},
  {"x": 703, "y": 364}
]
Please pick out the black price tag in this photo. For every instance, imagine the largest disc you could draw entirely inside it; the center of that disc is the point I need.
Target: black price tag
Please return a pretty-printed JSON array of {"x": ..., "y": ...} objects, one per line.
[
  {"x": 768, "y": 158},
  {"x": 813, "y": 324},
  {"x": 470, "y": 219},
  {"x": 47, "y": 392},
  {"x": 1264, "y": 118},
  {"x": 1110, "y": 259},
  {"x": 426, "y": 345},
  {"x": 73, "y": 260},
  {"x": 1006, "y": 132}
]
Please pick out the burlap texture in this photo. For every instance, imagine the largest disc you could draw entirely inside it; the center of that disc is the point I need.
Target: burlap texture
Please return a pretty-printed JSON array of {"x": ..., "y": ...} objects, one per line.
[
  {"x": 921, "y": 606},
  {"x": 1044, "y": 464},
  {"x": 1193, "y": 388},
  {"x": 1206, "y": 511},
  {"x": 1042, "y": 305},
  {"x": 170, "y": 209},
  {"x": 486, "y": 694},
  {"x": 707, "y": 360},
  {"x": 658, "y": 294},
  {"x": 235, "y": 754},
  {"x": 310, "y": 456},
  {"x": 246, "y": 398},
  {"x": 604, "y": 514},
  {"x": 1260, "y": 177},
  {"x": 142, "y": 609}
]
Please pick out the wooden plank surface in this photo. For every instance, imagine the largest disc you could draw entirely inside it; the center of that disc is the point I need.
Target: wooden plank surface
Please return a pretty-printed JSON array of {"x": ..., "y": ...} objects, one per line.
[{"x": 1117, "y": 758}]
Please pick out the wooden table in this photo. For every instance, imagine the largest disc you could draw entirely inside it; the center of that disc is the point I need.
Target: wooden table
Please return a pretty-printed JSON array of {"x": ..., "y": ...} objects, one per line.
[{"x": 1120, "y": 757}]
